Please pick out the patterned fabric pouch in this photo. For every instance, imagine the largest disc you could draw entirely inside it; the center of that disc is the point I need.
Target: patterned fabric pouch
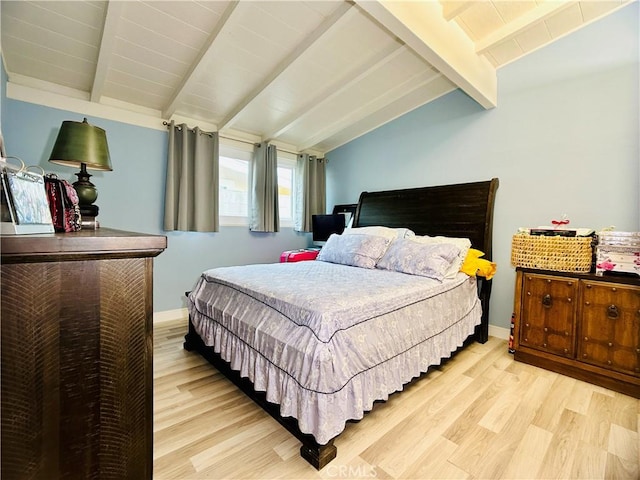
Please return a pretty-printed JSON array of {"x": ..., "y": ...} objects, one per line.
[{"x": 63, "y": 203}]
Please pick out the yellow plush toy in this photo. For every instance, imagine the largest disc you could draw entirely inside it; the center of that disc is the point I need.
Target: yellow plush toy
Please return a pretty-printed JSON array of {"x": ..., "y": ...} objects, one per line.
[{"x": 474, "y": 265}]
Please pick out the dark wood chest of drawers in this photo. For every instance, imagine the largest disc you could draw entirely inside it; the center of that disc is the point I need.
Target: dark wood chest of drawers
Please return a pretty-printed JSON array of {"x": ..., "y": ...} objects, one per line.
[
  {"x": 76, "y": 378},
  {"x": 580, "y": 325}
]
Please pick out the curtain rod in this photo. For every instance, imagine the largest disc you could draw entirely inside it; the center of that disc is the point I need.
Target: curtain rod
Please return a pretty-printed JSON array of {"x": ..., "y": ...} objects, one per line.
[{"x": 166, "y": 124}]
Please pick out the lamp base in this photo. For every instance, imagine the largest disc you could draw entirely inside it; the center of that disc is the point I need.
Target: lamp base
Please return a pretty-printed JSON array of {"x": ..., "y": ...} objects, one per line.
[
  {"x": 89, "y": 223},
  {"x": 88, "y": 214},
  {"x": 89, "y": 210},
  {"x": 87, "y": 191}
]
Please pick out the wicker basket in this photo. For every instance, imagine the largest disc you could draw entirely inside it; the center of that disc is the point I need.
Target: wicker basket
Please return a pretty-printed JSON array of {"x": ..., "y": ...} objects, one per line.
[{"x": 562, "y": 254}]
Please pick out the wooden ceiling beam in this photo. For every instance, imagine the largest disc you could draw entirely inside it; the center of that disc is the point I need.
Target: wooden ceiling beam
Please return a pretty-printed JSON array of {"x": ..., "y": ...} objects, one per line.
[
  {"x": 382, "y": 58},
  {"x": 107, "y": 44},
  {"x": 442, "y": 44},
  {"x": 514, "y": 28},
  {"x": 451, "y": 9},
  {"x": 200, "y": 62},
  {"x": 361, "y": 113},
  {"x": 414, "y": 98},
  {"x": 302, "y": 47}
]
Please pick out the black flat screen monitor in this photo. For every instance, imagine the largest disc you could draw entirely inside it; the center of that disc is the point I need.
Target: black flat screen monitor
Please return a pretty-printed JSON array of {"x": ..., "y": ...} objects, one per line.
[{"x": 324, "y": 225}]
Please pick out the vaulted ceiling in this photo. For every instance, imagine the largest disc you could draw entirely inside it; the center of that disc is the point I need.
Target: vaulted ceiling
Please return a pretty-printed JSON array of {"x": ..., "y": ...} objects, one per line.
[{"x": 306, "y": 75}]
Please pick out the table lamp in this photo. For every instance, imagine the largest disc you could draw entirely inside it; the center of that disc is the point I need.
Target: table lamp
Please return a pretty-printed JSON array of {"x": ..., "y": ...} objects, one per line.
[{"x": 80, "y": 144}]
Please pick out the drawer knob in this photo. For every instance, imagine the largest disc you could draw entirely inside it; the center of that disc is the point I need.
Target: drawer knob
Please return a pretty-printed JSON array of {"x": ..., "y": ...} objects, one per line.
[
  {"x": 548, "y": 281},
  {"x": 608, "y": 362},
  {"x": 610, "y": 344},
  {"x": 586, "y": 339},
  {"x": 569, "y": 299},
  {"x": 588, "y": 285},
  {"x": 566, "y": 334},
  {"x": 544, "y": 345},
  {"x": 546, "y": 329},
  {"x": 569, "y": 283},
  {"x": 612, "y": 312},
  {"x": 526, "y": 324},
  {"x": 614, "y": 289},
  {"x": 587, "y": 303},
  {"x": 529, "y": 293},
  {"x": 546, "y": 301},
  {"x": 566, "y": 350},
  {"x": 584, "y": 355}
]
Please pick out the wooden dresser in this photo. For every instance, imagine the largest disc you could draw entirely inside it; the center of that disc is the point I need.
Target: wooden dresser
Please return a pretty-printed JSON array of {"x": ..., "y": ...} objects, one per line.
[
  {"x": 580, "y": 325},
  {"x": 77, "y": 372}
]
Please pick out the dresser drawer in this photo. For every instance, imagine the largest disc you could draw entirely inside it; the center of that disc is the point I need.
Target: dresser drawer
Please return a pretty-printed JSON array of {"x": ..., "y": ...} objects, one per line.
[
  {"x": 610, "y": 326},
  {"x": 548, "y": 314},
  {"x": 581, "y": 325}
]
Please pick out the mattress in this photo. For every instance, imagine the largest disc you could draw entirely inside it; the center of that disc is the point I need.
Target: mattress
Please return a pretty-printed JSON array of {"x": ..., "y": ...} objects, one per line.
[{"x": 324, "y": 341}]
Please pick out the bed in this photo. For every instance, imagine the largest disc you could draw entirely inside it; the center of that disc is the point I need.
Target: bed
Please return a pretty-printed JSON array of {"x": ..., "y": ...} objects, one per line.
[{"x": 318, "y": 343}]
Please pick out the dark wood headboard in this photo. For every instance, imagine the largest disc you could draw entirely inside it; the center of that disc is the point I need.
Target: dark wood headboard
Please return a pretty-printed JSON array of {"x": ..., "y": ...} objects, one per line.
[{"x": 460, "y": 210}]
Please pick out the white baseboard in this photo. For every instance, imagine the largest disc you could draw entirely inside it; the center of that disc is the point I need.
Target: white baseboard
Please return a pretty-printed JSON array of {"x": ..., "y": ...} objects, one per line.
[
  {"x": 499, "y": 332},
  {"x": 170, "y": 315}
]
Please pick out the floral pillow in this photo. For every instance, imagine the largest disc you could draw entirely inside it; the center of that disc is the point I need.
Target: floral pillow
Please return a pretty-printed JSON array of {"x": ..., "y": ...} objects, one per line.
[
  {"x": 426, "y": 260},
  {"x": 464, "y": 244},
  {"x": 387, "y": 232},
  {"x": 355, "y": 250}
]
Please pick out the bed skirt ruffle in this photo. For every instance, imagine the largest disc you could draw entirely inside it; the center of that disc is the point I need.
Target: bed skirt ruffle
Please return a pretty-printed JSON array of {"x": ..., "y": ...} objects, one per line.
[{"x": 324, "y": 415}]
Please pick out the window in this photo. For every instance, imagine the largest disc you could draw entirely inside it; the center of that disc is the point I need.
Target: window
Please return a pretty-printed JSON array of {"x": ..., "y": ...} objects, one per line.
[
  {"x": 234, "y": 185},
  {"x": 286, "y": 187},
  {"x": 234, "y": 177}
]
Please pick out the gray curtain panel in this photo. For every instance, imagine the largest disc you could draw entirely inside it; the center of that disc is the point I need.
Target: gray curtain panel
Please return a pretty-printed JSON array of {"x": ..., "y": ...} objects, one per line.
[
  {"x": 191, "y": 192},
  {"x": 310, "y": 190},
  {"x": 263, "y": 194}
]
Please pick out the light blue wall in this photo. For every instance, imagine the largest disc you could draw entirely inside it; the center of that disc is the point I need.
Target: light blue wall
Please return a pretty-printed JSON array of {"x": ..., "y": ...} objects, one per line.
[
  {"x": 131, "y": 198},
  {"x": 3, "y": 87},
  {"x": 563, "y": 139}
]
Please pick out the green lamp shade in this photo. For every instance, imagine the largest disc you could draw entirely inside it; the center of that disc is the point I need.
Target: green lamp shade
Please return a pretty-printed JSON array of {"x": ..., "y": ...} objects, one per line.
[{"x": 80, "y": 142}]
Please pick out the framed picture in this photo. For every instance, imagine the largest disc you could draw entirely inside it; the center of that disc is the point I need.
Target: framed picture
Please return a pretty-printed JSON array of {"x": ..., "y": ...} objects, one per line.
[{"x": 24, "y": 207}]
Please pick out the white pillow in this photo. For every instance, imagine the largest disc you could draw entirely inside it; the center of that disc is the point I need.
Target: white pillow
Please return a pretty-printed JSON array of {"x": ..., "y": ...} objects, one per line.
[
  {"x": 355, "y": 250},
  {"x": 404, "y": 233},
  {"x": 386, "y": 232},
  {"x": 425, "y": 259},
  {"x": 464, "y": 244}
]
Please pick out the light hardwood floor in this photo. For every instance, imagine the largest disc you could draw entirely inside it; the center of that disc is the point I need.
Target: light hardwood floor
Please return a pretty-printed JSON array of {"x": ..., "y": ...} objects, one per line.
[{"x": 481, "y": 416}]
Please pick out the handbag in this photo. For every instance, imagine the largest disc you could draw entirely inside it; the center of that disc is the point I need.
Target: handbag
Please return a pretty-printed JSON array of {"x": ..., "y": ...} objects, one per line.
[{"x": 63, "y": 204}]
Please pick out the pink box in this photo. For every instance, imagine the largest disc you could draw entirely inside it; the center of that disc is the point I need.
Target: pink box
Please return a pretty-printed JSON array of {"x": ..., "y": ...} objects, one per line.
[{"x": 299, "y": 255}]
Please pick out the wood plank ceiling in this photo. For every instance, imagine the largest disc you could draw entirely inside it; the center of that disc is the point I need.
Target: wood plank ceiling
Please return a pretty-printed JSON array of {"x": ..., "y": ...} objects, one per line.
[{"x": 306, "y": 75}]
